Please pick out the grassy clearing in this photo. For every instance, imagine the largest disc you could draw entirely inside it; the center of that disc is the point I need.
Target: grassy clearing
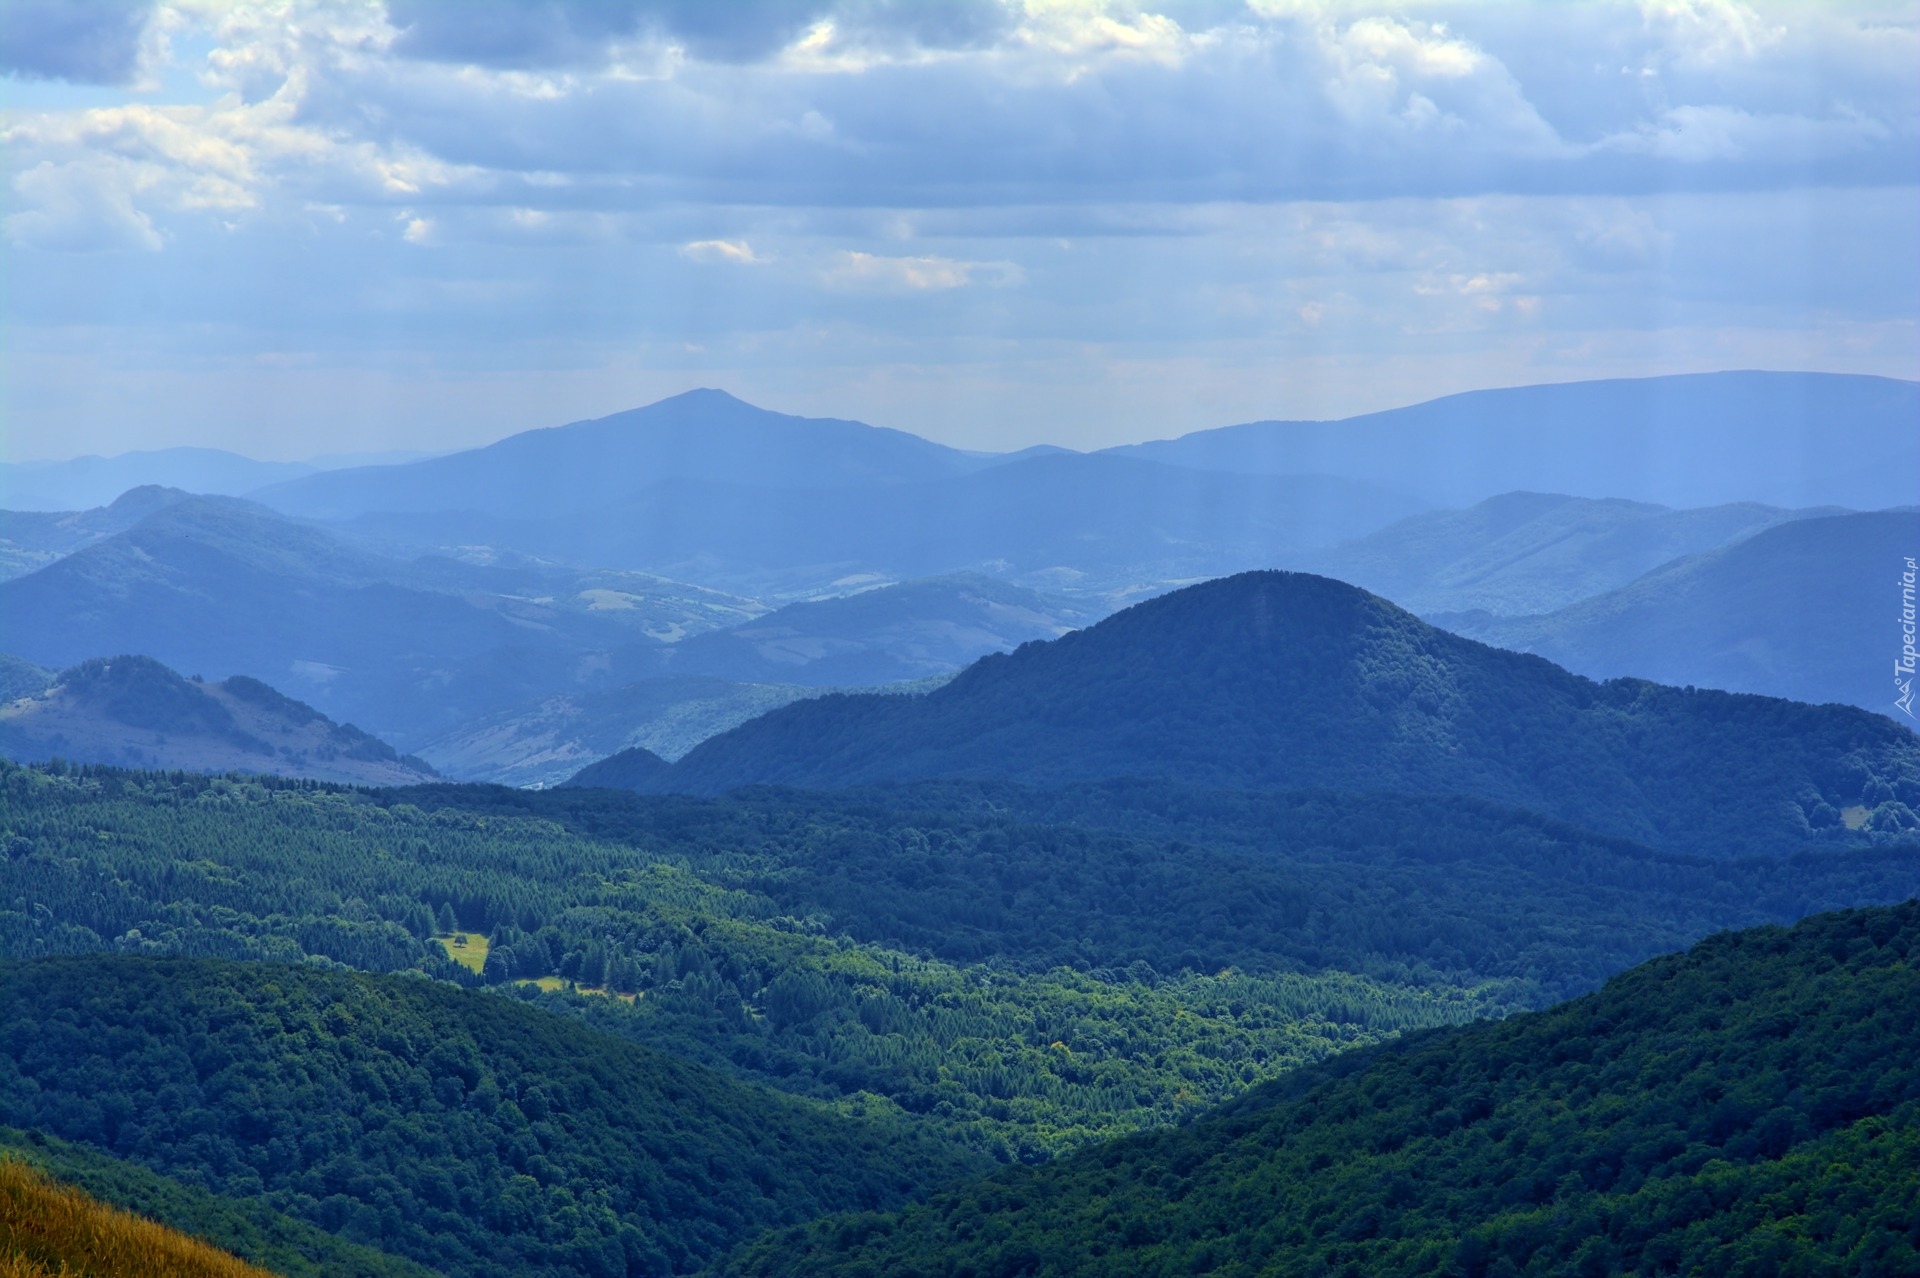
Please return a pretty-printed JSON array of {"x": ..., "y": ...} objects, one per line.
[
  {"x": 468, "y": 949},
  {"x": 48, "y": 1229},
  {"x": 550, "y": 984},
  {"x": 1855, "y": 817}
]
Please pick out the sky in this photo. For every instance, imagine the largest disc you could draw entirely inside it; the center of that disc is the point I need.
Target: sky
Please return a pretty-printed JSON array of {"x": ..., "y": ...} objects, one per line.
[{"x": 299, "y": 227}]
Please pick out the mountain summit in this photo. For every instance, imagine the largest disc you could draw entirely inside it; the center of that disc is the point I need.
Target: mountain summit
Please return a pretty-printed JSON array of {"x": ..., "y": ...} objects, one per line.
[
  {"x": 1273, "y": 680},
  {"x": 702, "y": 436}
]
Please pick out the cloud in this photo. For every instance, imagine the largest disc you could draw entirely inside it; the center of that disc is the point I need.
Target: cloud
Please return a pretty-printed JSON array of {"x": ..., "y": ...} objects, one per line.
[
  {"x": 851, "y": 270},
  {"x": 85, "y": 41},
  {"x": 78, "y": 208},
  {"x": 559, "y": 33},
  {"x": 735, "y": 252}
]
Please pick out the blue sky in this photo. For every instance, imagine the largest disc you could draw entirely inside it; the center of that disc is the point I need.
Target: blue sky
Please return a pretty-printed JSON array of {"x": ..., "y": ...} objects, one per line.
[{"x": 291, "y": 227}]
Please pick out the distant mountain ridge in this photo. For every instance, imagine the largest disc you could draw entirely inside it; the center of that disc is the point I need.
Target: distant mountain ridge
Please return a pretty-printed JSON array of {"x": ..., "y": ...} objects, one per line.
[
  {"x": 132, "y": 711},
  {"x": 1704, "y": 439},
  {"x": 1280, "y": 681},
  {"x": 1804, "y": 609},
  {"x": 1525, "y": 553}
]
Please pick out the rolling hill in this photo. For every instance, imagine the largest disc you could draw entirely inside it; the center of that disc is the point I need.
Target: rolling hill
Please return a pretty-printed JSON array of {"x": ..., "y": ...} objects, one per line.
[
  {"x": 468, "y": 1133},
  {"x": 1526, "y": 553},
  {"x": 1787, "y": 439},
  {"x": 1806, "y": 610},
  {"x": 134, "y": 712},
  {"x": 1283, "y": 680},
  {"x": 1752, "y": 1106}
]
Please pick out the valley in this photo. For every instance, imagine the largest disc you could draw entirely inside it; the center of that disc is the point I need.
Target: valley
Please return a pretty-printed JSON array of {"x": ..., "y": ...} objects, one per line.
[{"x": 1056, "y": 863}]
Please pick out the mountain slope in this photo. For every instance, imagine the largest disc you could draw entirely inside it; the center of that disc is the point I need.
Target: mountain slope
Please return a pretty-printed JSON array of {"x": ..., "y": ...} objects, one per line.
[
  {"x": 134, "y": 711},
  {"x": 1752, "y": 1106},
  {"x": 466, "y": 1132},
  {"x": 703, "y": 436},
  {"x": 1807, "y": 610},
  {"x": 1526, "y": 553},
  {"x": 1788, "y": 439},
  {"x": 1283, "y": 680}
]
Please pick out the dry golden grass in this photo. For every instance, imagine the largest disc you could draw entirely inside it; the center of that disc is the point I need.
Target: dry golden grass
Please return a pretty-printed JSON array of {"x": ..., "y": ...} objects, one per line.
[{"x": 48, "y": 1230}]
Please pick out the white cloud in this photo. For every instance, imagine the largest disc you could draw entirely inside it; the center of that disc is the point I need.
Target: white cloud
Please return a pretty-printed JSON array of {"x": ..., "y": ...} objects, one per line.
[
  {"x": 734, "y": 252},
  {"x": 78, "y": 207},
  {"x": 868, "y": 272}
]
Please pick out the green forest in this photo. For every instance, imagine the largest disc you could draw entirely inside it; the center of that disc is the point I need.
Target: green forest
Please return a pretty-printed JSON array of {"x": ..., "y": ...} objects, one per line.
[
  {"x": 1749, "y": 1108},
  {"x": 897, "y": 987}
]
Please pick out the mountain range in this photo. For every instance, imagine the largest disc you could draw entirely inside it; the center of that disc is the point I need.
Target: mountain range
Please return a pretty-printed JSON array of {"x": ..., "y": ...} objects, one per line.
[
  {"x": 217, "y": 586},
  {"x": 1281, "y": 680},
  {"x": 1707, "y": 439},
  {"x": 134, "y": 712}
]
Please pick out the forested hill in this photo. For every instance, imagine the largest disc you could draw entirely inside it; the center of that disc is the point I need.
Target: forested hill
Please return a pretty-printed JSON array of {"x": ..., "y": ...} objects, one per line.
[
  {"x": 469, "y": 1133},
  {"x": 1750, "y": 1107},
  {"x": 1274, "y": 680}
]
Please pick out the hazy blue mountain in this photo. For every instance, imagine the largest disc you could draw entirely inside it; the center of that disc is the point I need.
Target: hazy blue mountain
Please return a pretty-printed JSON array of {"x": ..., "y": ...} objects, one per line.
[
  {"x": 1807, "y": 610},
  {"x": 31, "y": 539},
  {"x": 1788, "y": 439},
  {"x": 702, "y": 436},
  {"x": 134, "y": 712},
  {"x": 1284, "y": 680},
  {"x": 1526, "y": 553},
  {"x": 891, "y": 634},
  {"x": 548, "y": 740},
  {"x": 1112, "y": 527},
  {"x": 217, "y": 587}
]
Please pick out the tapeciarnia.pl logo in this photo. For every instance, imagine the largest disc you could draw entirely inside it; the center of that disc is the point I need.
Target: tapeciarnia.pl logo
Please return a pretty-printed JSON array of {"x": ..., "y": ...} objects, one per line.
[{"x": 1903, "y": 668}]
